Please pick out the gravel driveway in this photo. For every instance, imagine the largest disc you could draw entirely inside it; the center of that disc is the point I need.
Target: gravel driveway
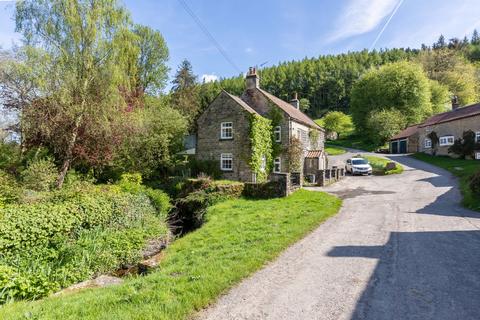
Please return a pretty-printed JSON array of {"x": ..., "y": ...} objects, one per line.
[{"x": 401, "y": 248}]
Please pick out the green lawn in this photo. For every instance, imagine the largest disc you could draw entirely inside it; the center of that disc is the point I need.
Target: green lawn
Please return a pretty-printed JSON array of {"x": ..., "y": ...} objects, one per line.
[
  {"x": 354, "y": 142},
  {"x": 334, "y": 150},
  {"x": 239, "y": 237},
  {"x": 378, "y": 164},
  {"x": 462, "y": 169}
]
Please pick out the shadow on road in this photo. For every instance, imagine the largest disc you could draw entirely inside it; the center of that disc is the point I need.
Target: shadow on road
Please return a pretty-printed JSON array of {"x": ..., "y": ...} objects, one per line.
[
  {"x": 447, "y": 204},
  {"x": 421, "y": 275}
]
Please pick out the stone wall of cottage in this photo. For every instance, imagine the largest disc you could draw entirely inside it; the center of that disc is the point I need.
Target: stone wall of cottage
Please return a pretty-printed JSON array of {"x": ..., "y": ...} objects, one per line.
[
  {"x": 210, "y": 146},
  {"x": 453, "y": 128}
]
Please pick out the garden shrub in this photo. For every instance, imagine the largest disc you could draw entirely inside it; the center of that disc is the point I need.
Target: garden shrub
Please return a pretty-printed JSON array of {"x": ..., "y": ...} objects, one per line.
[
  {"x": 10, "y": 192},
  {"x": 132, "y": 183},
  {"x": 475, "y": 183},
  {"x": 40, "y": 175},
  {"x": 72, "y": 235},
  {"x": 208, "y": 167}
]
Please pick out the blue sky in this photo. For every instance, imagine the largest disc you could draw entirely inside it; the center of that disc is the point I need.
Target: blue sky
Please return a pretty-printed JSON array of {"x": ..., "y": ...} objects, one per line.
[{"x": 254, "y": 32}]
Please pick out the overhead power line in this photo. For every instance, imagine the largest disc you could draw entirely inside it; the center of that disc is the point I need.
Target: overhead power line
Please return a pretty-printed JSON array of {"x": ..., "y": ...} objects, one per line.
[{"x": 204, "y": 29}]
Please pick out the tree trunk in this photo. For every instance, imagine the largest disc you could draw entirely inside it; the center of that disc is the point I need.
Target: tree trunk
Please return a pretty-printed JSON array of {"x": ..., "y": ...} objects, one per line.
[{"x": 68, "y": 154}]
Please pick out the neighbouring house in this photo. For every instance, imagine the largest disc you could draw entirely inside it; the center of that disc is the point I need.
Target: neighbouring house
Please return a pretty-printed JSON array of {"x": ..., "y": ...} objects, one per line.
[
  {"x": 447, "y": 126},
  {"x": 224, "y": 131},
  {"x": 406, "y": 141}
]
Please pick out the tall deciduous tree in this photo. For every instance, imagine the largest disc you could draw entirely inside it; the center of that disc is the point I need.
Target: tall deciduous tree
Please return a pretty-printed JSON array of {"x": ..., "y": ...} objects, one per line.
[
  {"x": 88, "y": 58},
  {"x": 400, "y": 86},
  {"x": 339, "y": 122},
  {"x": 152, "y": 71}
]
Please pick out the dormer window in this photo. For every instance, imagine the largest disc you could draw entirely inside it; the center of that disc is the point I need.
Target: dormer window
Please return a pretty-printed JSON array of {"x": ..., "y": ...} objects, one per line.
[
  {"x": 226, "y": 130},
  {"x": 278, "y": 134}
]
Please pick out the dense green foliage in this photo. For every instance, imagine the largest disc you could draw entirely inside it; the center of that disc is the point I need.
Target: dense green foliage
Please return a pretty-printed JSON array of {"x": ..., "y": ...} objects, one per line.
[
  {"x": 40, "y": 175},
  {"x": 262, "y": 146},
  {"x": 337, "y": 122},
  {"x": 400, "y": 86},
  {"x": 384, "y": 124},
  {"x": 465, "y": 146},
  {"x": 475, "y": 183},
  {"x": 10, "y": 191},
  {"x": 464, "y": 169},
  {"x": 200, "y": 266},
  {"x": 71, "y": 235},
  {"x": 379, "y": 166}
]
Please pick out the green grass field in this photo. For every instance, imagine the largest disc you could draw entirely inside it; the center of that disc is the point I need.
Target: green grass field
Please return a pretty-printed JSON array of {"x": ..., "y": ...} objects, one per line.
[
  {"x": 378, "y": 164},
  {"x": 354, "y": 142},
  {"x": 334, "y": 150},
  {"x": 463, "y": 169},
  {"x": 239, "y": 237}
]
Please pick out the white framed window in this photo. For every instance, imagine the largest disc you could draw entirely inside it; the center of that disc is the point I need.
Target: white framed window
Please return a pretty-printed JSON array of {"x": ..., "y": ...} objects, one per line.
[
  {"x": 446, "y": 140},
  {"x": 428, "y": 143},
  {"x": 263, "y": 166},
  {"x": 278, "y": 134},
  {"x": 477, "y": 136},
  {"x": 277, "y": 165},
  {"x": 226, "y": 162},
  {"x": 226, "y": 130},
  {"x": 477, "y": 155}
]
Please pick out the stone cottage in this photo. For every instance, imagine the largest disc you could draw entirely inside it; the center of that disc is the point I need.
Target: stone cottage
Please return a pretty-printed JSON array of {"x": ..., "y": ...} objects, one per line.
[
  {"x": 448, "y": 127},
  {"x": 224, "y": 131}
]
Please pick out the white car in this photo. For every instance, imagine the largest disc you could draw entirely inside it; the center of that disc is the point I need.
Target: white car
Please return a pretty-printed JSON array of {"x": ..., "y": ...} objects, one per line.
[{"x": 358, "y": 166}]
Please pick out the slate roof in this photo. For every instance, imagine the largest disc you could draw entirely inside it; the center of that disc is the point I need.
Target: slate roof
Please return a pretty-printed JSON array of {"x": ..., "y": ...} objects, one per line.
[
  {"x": 291, "y": 110},
  {"x": 460, "y": 113},
  {"x": 405, "y": 133},
  {"x": 241, "y": 103}
]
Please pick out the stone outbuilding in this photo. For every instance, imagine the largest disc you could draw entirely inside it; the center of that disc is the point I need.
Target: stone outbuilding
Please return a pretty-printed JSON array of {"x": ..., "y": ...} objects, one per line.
[
  {"x": 224, "y": 130},
  {"x": 407, "y": 141}
]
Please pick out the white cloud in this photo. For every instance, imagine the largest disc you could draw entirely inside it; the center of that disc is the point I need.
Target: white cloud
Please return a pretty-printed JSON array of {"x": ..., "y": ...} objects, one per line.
[
  {"x": 209, "y": 78},
  {"x": 361, "y": 16},
  {"x": 248, "y": 50}
]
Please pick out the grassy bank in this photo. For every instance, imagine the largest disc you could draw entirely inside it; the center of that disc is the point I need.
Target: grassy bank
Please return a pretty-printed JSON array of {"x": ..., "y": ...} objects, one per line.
[
  {"x": 334, "y": 150},
  {"x": 239, "y": 237},
  {"x": 378, "y": 164},
  {"x": 354, "y": 142},
  {"x": 463, "y": 169}
]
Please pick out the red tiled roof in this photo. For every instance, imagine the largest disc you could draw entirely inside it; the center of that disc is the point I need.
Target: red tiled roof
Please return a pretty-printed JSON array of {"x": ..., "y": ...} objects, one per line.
[
  {"x": 460, "y": 113},
  {"x": 241, "y": 103},
  {"x": 291, "y": 110},
  {"x": 405, "y": 133},
  {"x": 314, "y": 154}
]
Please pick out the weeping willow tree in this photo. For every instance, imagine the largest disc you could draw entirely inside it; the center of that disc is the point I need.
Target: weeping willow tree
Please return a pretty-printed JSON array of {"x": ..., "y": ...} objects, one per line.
[{"x": 83, "y": 58}]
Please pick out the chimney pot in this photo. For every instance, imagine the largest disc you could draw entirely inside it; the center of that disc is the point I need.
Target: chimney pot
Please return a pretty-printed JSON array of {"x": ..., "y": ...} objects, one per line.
[
  {"x": 252, "y": 80},
  {"x": 295, "y": 102},
  {"x": 455, "y": 103}
]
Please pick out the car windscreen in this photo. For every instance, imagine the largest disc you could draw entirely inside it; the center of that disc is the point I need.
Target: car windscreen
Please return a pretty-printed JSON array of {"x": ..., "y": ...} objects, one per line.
[{"x": 360, "y": 161}]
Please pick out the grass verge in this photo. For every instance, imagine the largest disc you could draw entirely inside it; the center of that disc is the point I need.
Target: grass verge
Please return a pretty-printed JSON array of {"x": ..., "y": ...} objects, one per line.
[
  {"x": 463, "y": 169},
  {"x": 378, "y": 164},
  {"x": 354, "y": 142},
  {"x": 238, "y": 238},
  {"x": 334, "y": 150}
]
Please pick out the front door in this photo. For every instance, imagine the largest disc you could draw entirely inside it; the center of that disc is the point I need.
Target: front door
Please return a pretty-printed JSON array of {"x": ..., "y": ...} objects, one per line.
[{"x": 403, "y": 146}]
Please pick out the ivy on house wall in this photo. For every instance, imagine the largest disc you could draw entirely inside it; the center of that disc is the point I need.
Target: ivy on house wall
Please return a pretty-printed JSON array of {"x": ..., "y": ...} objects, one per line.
[
  {"x": 262, "y": 149},
  {"x": 276, "y": 117},
  {"x": 314, "y": 136},
  {"x": 295, "y": 155}
]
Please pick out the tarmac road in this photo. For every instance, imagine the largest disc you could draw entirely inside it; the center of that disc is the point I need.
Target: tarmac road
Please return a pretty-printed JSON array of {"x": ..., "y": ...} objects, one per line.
[{"x": 401, "y": 247}]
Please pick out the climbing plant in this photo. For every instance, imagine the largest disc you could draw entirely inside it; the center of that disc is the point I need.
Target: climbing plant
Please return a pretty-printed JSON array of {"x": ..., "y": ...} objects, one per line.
[
  {"x": 262, "y": 149},
  {"x": 314, "y": 136},
  {"x": 435, "y": 140},
  {"x": 295, "y": 155},
  {"x": 276, "y": 116}
]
